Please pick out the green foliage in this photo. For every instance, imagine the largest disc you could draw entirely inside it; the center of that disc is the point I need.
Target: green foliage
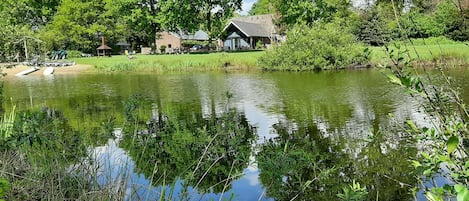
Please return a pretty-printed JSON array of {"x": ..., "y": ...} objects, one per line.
[
  {"x": 444, "y": 20},
  {"x": 131, "y": 107},
  {"x": 186, "y": 145},
  {"x": 371, "y": 29},
  {"x": 6, "y": 127},
  {"x": 191, "y": 15},
  {"x": 353, "y": 192},
  {"x": 309, "y": 12},
  {"x": 445, "y": 138},
  {"x": 259, "y": 45},
  {"x": 262, "y": 7},
  {"x": 163, "y": 48},
  {"x": 4, "y": 188},
  {"x": 71, "y": 54},
  {"x": 76, "y": 25},
  {"x": 322, "y": 46},
  {"x": 295, "y": 165},
  {"x": 29, "y": 12},
  {"x": 462, "y": 192},
  {"x": 37, "y": 156}
]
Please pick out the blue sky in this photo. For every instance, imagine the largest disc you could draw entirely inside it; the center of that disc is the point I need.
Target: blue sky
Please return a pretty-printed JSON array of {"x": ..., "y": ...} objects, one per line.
[{"x": 247, "y": 4}]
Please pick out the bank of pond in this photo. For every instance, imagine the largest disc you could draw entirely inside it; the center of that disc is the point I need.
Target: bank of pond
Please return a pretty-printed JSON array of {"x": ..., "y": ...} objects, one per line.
[
  {"x": 455, "y": 54},
  {"x": 209, "y": 136}
]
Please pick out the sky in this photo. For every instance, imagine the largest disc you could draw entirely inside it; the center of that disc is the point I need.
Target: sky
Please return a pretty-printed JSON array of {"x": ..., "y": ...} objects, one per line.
[{"x": 246, "y": 7}]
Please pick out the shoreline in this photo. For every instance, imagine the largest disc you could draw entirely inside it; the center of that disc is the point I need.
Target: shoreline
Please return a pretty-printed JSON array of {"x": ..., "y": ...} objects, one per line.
[{"x": 75, "y": 69}]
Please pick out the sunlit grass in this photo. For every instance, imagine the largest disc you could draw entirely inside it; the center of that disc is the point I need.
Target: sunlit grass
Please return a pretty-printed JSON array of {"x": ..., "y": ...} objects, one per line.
[
  {"x": 184, "y": 62},
  {"x": 456, "y": 53},
  {"x": 453, "y": 53}
]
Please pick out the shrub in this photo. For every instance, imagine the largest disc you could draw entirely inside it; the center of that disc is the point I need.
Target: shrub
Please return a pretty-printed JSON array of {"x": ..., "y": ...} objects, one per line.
[
  {"x": 163, "y": 48},
  {"x": 73, "y": 54},
  {"x": 322, "y": 46}
]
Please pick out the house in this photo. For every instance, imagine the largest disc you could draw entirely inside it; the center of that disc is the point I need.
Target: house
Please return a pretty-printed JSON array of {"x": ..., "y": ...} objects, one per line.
[
  {"x": 248, "y": 32},
  {"x": 173, "y": 41}
]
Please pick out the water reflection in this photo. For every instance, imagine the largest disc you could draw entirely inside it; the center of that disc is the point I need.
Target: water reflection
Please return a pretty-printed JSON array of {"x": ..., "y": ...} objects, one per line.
[
  {"x": 279, "y": 131},
  {"x": 181, "y": 154}
]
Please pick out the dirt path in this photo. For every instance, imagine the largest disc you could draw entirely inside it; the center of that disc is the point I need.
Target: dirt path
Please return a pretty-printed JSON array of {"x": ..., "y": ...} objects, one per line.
[{"x": 75, "y": 69}]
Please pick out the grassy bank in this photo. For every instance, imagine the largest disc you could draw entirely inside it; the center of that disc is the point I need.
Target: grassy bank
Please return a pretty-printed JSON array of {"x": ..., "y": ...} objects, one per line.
[
  {"x": 185, "y": 62},
  {"x": 457, "y": 54},
  {"x": 454, "y": 54}
]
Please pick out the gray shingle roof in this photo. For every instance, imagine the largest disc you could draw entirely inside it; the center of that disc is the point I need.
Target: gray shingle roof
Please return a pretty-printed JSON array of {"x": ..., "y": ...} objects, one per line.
[
  {"x": 250, "y": 29},
  {"x": 199, "y": 35}
]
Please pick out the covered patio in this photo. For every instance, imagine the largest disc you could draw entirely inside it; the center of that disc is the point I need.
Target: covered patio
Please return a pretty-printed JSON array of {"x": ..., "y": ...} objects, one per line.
[{"x": 244, "y": 35}]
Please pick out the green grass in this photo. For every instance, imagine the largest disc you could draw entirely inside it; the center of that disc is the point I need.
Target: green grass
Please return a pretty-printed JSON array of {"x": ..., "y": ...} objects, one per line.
[
  {"x": 451, "y": 53},
  {"x": 185, "y": 62},
  {"x": 455, "y": 53}
]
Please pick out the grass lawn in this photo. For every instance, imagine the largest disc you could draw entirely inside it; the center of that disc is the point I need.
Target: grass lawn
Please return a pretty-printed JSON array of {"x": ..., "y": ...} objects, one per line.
[
  {"x": 453, "y": 53},
  {"x": 184, "y": 62}
]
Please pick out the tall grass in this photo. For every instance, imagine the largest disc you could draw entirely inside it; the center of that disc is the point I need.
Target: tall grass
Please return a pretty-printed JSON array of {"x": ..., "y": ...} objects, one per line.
[
  {"x": 457, "y": 54},
  {"x": 47, "y": 159},
  {"x": 185, "y": 62}
]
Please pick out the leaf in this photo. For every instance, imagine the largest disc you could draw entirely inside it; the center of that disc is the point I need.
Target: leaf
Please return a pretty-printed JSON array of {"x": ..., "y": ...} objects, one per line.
[
  {"x": 452, "y": 144},
  {"x": 432, "y": 197},
  {"x": 428, "y": 172},
  {"x": 412, "y": 125},
  {"x": 444, "y": 158},
  {"x": 463, "y": 193},
  {"x": 416, "y": 164},
  {"x": 394, "y": 79},
  {"x": 426, "y": 156}
]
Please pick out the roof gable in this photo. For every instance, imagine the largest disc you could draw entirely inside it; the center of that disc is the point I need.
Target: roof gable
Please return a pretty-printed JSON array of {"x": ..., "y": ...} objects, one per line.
[{"x": 249, "y": 29}]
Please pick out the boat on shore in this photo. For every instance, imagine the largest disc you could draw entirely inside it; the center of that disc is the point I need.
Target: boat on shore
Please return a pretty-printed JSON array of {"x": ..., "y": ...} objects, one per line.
[
  {"x": 28, "y": 71},
  {"x": 49, "y": 71}
]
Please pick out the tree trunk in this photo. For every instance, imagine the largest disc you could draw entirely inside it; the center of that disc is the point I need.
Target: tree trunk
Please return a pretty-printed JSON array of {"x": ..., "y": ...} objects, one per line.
[{"x": 209, "y": 22}]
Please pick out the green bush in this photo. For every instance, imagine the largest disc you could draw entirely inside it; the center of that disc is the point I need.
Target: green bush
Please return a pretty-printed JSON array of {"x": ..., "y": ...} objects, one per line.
[
  {"x": 163, "y": 48},
  {"x": 73, "y": 54},
  {"x": 322, "y": 46}
]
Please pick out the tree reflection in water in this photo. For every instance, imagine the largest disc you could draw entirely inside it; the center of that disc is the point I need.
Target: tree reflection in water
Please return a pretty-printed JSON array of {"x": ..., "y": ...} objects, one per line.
[
  {"x": 302, "y": 164},
  {"x": 204, "y": 152}
]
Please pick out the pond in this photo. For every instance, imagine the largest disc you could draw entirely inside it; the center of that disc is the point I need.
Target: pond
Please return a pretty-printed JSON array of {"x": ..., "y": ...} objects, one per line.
[{"x": 239, "y": 136}]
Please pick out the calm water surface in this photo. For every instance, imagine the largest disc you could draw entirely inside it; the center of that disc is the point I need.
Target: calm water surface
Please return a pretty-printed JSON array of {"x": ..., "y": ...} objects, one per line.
[{"x": 279, "y": 131}]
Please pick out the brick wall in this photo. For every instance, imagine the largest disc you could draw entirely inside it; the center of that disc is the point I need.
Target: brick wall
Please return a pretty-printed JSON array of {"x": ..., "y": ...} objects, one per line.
[{"x": 168, "y": 40}]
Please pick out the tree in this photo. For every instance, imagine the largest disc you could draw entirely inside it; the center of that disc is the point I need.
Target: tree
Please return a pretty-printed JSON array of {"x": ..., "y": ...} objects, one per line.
[
  {"x": 20, "y": 21},
  {"x": 181, "y": 15},
  {"x": 30, "y": 12},
  {"x": 262, "y": 7},
  {"x": 77, "y": 25},
  {"x": 141, "y": 19},
  {"x": 372, "y": 29},
  {"x": 214, "y": 14},
  {"x": 308, "y": 12},
  {"x": 425, "y": 6}
]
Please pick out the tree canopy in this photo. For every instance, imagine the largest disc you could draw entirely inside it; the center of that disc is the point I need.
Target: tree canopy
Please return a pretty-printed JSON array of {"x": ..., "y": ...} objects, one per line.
[
  {"x": 262, "y": 7},
  {"x": 77, "y": 25}
]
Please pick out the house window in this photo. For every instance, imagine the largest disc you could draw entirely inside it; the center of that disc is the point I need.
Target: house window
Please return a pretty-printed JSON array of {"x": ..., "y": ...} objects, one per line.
[{"x": 169, "y": 45}]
